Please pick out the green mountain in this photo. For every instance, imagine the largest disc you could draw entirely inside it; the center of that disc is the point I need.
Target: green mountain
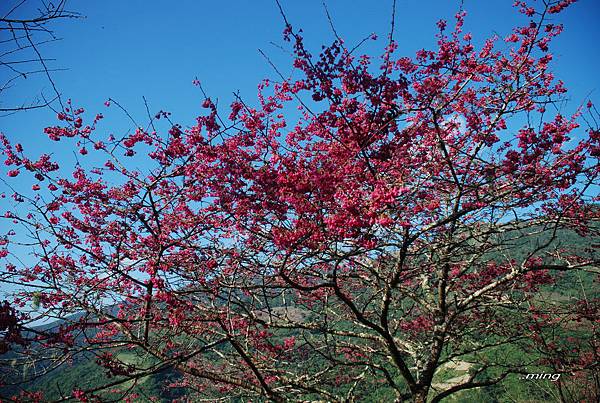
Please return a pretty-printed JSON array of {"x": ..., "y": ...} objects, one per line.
[{"x": 85, "y": 372}]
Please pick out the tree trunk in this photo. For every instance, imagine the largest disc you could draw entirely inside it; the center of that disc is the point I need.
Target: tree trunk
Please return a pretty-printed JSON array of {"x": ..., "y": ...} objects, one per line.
[{"x": 420, "y": 396}]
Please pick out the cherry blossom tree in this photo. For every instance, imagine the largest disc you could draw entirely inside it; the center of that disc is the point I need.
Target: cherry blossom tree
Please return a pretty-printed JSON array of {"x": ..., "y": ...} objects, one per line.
[{"x": 367, "y": 223}]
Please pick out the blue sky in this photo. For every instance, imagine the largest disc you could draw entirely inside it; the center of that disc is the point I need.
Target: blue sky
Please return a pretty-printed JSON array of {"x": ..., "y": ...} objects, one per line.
[{"x": 129, "y": 49}]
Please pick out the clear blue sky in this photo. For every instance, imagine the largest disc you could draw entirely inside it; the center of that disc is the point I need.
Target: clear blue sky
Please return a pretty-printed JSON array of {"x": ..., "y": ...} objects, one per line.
[
  {"x": 134, "y": 48},
  {"x": 129, "y": 49}
]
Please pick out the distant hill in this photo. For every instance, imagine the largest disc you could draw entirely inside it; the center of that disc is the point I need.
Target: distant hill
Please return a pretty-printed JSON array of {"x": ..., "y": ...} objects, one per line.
[{"x": 84, "y": 371}]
